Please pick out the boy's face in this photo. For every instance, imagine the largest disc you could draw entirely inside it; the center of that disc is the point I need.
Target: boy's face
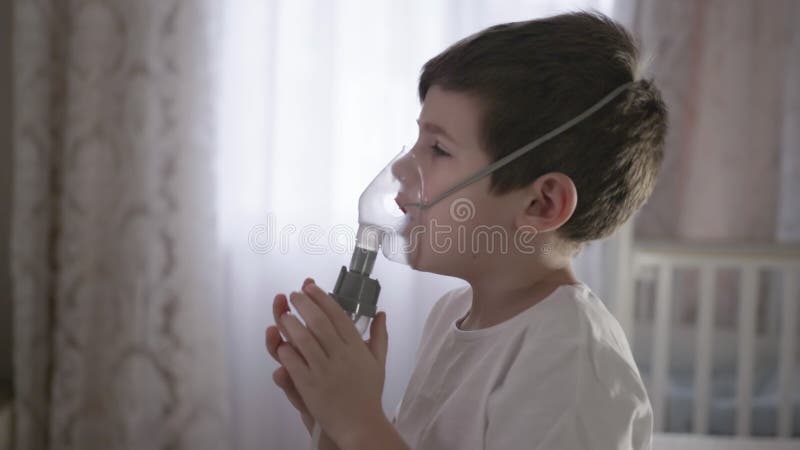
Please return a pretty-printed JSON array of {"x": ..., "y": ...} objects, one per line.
[{"x": 458, "y": 234}]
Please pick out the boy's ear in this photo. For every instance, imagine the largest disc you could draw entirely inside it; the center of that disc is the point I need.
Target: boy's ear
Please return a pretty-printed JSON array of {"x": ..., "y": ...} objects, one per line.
[{"x": 549, "y": 202}]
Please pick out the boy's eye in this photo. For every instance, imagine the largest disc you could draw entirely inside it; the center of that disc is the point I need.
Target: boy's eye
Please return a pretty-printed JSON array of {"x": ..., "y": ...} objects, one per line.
[{"x": 439, "y": 151}]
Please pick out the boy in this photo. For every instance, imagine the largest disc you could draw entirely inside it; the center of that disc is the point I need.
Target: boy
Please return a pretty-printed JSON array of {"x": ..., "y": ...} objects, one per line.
[{"x": 526, "y": 356}]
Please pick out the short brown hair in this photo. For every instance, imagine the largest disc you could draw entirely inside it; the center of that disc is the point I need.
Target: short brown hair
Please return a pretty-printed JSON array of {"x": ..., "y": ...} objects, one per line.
[{"x": 532, "y": 76}]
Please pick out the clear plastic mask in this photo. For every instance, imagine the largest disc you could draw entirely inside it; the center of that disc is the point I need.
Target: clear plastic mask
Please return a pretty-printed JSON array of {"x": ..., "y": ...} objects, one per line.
[
  {"x": 394, "y": 201},
  {"x": 383, "y": 216}
]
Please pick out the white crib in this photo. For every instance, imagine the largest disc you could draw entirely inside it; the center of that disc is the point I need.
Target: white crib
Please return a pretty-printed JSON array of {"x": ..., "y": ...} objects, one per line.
[{"x": 715, "y": 382}]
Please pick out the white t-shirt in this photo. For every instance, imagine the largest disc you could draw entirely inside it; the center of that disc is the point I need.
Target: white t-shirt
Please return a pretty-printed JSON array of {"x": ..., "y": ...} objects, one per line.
[{"x": 558, "y": 376}]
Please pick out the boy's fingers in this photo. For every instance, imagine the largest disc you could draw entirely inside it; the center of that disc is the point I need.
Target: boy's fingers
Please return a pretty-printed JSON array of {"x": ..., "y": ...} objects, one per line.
[
  {"x": 308, "y": 421},
  {"x": 284, "y": 381},
  {"x": 379, "y": 338},
  {"x": 273, "y": 340},
  {"x": 296, "y": 401},
  {"x": 317, "y": 322},
  {"x": 344, "y": 326},
  {"x": 279, "y": 378},
  {"x": 302, "y": 353},
  {"x": 280, "y": 305}
]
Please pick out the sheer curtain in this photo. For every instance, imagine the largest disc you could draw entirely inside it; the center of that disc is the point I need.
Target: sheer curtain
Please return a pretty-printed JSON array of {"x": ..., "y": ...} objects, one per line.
[{"x": 317, "y": 97}]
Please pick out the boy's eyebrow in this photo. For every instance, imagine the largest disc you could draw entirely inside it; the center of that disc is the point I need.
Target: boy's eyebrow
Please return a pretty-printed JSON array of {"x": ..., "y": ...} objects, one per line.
[{"x": 433, "y": 128}]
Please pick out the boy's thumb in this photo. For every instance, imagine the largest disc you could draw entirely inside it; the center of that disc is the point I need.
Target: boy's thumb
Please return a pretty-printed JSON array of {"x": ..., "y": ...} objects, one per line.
[{"x": 379, "y": 337}]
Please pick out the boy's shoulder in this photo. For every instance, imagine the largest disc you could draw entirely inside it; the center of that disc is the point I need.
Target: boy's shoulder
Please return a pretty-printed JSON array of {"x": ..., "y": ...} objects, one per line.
[
  {"x": 571, "y": 311},
  {"x": 575, "y": 314},
  {"x": 572, "y": 315}
]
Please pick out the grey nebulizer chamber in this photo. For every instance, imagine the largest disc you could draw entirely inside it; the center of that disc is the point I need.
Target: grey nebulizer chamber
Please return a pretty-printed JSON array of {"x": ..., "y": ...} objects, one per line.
[{"x": 355, "y": 291}]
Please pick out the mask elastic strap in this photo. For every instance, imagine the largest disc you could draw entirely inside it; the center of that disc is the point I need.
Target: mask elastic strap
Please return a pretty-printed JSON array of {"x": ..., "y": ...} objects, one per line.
[{"x": 530, "y": 146}]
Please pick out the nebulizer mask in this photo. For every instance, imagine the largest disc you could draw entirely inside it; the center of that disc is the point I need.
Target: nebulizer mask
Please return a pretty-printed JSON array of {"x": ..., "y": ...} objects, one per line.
[{"x": 387, "y": 210}]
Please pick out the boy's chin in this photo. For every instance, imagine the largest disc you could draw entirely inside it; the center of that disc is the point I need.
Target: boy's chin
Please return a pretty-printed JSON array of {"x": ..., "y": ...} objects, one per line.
[{"x": 440, "y": 264}]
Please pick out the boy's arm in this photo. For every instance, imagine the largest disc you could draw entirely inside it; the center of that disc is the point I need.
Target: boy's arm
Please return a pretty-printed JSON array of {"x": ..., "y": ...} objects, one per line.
[{"x": 380, "y": 434}]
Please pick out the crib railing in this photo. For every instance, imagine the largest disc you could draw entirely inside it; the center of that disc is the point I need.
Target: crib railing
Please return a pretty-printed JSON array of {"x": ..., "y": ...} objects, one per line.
[{"x": 660, "y": 261}]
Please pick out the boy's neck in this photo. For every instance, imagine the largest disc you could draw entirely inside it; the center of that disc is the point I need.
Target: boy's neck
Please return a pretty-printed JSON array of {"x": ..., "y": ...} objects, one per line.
[{"x": 500, "y": 295}]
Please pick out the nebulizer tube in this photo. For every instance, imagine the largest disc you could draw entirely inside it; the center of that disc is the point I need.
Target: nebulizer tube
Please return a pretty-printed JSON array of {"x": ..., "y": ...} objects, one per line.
[{"x": 386, "y": 208}]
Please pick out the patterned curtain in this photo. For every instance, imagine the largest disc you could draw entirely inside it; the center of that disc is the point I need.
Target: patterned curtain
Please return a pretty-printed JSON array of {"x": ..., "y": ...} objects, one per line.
[{"x": 117, "y": 317}]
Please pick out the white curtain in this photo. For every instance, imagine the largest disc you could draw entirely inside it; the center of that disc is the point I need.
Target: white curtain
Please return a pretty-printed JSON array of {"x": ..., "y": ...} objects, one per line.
[{"x": 317, "y": 97}]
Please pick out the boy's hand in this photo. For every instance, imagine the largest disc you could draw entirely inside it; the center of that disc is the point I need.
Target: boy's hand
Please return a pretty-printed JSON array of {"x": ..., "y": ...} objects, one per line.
[
  {"x": 281, "y": 376},
  {"x": 282, "y": 379},
  {"x": 338, "y": 376}
]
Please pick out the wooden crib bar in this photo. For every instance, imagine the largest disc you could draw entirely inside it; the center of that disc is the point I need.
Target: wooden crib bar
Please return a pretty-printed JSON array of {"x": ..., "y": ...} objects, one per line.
[
  {"x": 708, "y": 259},
  {"x": 747, "y": 336},
  {"x": 788, "y": 351},
  {"x": 660, "y": 362},
  {"x": 704, "y": 356}
]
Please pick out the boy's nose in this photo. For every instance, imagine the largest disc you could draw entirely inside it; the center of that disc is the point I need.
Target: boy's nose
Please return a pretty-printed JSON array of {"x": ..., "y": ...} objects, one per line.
[{"x": 404, "y": 168}]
